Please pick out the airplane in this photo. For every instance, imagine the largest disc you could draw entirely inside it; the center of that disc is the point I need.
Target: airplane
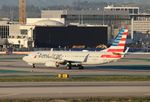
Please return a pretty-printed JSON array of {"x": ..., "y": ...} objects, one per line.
[{"x": 81, "y": 58}]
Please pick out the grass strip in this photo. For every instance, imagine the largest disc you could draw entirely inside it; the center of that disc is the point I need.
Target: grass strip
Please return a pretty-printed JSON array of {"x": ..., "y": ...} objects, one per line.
[
  {"x": 83, "y": 99},
  {"x": 11, "y": 58},
  {"x": 46, "y": 78}
]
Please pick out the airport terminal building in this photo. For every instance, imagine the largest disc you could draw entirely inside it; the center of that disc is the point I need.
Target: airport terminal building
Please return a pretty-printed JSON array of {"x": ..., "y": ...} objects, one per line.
[
  {"x": 75, "y": 24},
  {"x": 89, "y": 17}
]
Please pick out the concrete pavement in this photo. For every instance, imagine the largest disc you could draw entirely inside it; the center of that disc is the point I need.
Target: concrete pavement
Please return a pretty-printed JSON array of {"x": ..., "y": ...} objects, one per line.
[{"x": 73, "y": 89}]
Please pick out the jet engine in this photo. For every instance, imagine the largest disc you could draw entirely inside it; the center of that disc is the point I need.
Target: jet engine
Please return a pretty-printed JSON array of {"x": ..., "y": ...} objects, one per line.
[{"x": 51, "y": 64}]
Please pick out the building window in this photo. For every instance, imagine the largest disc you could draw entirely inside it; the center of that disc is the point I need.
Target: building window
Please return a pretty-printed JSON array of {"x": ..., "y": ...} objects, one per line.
[
  {"x": 130, "y": 11},
  {"x": 135, "y": 11},
  {"x": 24, "y": 31},
  {"x": 4, "y": 31}
]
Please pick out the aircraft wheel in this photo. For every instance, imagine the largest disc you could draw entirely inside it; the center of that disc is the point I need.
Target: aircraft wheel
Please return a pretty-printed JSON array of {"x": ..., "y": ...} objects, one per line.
[
  {"x": 33, "y": 65},
  {"x": 69, "y": 66}
]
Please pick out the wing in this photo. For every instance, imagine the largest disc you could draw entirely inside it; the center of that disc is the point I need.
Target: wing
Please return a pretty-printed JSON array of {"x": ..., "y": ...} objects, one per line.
[
  {"x": 84, "y": 60},
  {"x": 55, "y": 62}
]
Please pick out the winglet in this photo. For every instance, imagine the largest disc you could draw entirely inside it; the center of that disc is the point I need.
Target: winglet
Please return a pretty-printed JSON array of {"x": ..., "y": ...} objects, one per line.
[
  {"x": 125, "y": 51},
  {"x": 86, "y": 57}
]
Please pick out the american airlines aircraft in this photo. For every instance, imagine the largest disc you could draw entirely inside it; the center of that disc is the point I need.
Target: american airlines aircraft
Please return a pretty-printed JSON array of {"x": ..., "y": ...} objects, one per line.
[{"x": 80, "y": 58}]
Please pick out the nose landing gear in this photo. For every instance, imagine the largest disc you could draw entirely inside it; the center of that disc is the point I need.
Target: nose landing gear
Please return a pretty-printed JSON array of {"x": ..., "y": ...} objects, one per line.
[{"x": 33, "y": 65}]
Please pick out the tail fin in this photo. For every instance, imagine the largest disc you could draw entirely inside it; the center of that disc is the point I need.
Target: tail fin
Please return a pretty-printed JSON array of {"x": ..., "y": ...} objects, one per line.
[{"x": 118, "y": 45}]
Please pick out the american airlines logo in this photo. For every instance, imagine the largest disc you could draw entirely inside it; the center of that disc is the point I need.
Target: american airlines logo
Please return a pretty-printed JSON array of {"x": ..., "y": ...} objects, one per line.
[{"x": 53, "y": 56}]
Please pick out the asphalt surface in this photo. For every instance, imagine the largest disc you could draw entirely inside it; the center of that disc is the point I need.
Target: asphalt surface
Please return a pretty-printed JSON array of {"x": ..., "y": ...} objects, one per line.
[
  {"x": 74, "y": 89},
  {"x": 130, "y": 65}
]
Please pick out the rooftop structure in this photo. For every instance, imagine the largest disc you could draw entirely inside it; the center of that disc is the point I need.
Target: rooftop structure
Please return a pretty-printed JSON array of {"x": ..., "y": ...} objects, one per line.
[
  {"x": 131, "y": 10},
  {"x": 88, "y": 17},
  {"x": 45, "y": 21}
]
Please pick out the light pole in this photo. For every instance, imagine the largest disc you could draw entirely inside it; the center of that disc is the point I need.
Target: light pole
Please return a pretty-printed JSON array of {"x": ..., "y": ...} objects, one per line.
[
  {"x": 103, "y": 16},
  {"x": 19, "y": 43},
  {"x": 147, "y": 40}
]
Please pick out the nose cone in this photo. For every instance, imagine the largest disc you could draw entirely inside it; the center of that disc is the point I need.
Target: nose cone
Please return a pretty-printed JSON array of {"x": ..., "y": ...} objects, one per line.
[{"x": 25, "y": 58}]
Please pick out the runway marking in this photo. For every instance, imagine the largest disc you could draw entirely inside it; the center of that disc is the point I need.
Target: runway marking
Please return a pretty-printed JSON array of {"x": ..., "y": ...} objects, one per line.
[{"x": 8, "y": 94}]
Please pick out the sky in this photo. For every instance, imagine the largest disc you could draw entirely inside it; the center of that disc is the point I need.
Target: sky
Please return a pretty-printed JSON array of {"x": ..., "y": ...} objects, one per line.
[{"x": 45, "y": 3}]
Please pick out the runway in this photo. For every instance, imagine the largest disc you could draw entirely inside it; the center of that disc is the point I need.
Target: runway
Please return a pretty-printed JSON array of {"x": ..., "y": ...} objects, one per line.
[
  {"x": 132, "y": 65},
  {"x": 74, "y": 89}
]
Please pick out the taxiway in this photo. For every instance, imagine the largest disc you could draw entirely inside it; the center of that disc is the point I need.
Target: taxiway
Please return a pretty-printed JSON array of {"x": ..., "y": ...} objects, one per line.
[{"x": 74, "y": 89}]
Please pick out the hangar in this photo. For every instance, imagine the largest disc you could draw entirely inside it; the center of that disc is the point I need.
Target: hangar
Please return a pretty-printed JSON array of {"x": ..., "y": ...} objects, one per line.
[{"x": 68, "y": 36}]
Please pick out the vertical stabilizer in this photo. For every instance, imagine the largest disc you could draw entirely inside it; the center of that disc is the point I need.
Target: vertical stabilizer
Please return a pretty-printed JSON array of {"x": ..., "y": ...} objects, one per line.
[{"x": 118, "y": 44}]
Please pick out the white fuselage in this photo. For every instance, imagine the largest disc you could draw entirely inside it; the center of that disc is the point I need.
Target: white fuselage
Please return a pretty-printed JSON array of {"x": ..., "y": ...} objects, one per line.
[{"x": 85, "y": 58}]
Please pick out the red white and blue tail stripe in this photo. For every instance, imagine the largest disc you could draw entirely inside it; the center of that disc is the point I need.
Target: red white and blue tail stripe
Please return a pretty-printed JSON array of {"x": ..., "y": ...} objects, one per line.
[{"x": 118, "y": 46}]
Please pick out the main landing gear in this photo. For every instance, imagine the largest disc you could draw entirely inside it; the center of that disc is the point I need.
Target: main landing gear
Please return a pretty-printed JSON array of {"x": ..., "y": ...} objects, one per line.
[{"x": 69, "y": 66}]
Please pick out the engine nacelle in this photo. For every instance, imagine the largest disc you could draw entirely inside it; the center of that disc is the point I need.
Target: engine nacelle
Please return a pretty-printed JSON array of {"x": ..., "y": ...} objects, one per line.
[{"x": 51, "y": 64}]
